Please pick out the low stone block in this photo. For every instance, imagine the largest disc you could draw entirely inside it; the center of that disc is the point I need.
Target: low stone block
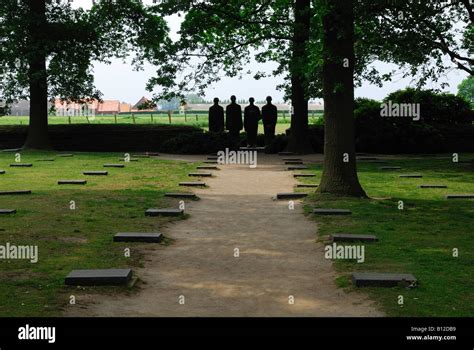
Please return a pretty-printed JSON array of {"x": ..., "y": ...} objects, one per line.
[
  {"x": 304, "y": 175},
  {"x": 128, "y": 160},
  {"x": 13, "y": 193},
  {"x": 7, "y": 211},
  {"x": 297, "y": 167},
  {"x": 164, "y": 212},
  {"x": 374, "y": 279},
  {"x": 21, "y": 165},
  {"x": 307, "y": 185},
  {"x": 109, "y": 277},
  {"x": 96, "y": 173},
  {"x": 460, "y": 196},
  {"x": 45, "y": 160},
  {"x": 65, "y": 155},
  {"x": 433, "y": 186},
  {"x": 138, "y": 237},
  {"x": 11, "y": 150},
  {"x": 294, "y": 162},
  {"x": 72, "y": 182},
  {"x": 411, "y": 176},
  {"x": 2, "y": 172},
  {"x": 181, "y": 195},
  {"x": 347, "y": 237},
  {"x": 200, "y": 174},
  {"x": 207, "y": 167},
  {"x": 114, "y": 165},
  {"x": 332, "y": 212},
  {"x": 192, "y": 184},
  {"x": 291, "y": 195}
]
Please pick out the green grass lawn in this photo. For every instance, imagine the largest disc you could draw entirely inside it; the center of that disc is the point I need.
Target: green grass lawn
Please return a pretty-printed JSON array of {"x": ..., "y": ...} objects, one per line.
[
  {"x": 419, "y": 239},
  {"x": 71, "y": 239}
]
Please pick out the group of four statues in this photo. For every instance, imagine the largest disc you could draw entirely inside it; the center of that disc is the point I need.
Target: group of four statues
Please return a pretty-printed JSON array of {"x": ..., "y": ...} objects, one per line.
[{"x": 252, "y": 115}]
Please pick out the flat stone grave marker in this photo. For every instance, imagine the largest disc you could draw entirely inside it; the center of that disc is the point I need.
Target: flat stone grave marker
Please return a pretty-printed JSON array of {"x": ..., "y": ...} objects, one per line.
[
  {"x": 460, "y": 196},
  {"x": 2, "y": 172},
  {"x": 96, "y": 173},
  {"x": 138, "y": 237},
  {"x": 297, "y": 167},
  {"x": 164, "y": 212},
  {"x": 295, "y": 195},
  {"x": 7, "y": 211},
  {"x": 304, "y": 175},
  {"x": 130, "y": 160},
  {"x": 285, "y": 153},
  {"x": 375, "y": 279},
  {"x": 307, "y": 185},
  {"x": 109, "y": 277},
  {"x": 72, "y": 182},
  {"x": 390, "y": 168},
  {"x": 21, "y": 165},
  {"x": 411, "y": 176},
  {"x": 433, "y": 186},
  {"x": 13, "y": 193},
  {"x": 140, "y": 156},
  {"x": 293, "y": 162},
  {"x": 192, "y": 184},
  {"x": 114, "y": 165},
  {"x": 348, "y": 237},
  {"x": 153, "y": 154},
  {"x": 65, "y": 155},
  {"x": 45, "y": 160},
  {"x": 207, "y": 167},
  {"x": 332, "y": 212},
  {"x": 11, "y": 150},
  {"x": 181, "y": 195},
  {"x": 200, "y": 174}
]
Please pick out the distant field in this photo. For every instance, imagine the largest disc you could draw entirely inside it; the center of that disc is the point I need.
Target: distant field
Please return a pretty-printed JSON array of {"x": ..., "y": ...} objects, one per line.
[{"x": 197, "y": 120}]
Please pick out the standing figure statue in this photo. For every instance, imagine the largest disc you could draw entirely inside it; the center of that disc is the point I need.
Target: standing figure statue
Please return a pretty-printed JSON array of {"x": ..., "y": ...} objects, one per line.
[
  {"x": 216, "y": 117},
  {"x": 270, "y": 118},
  {"x": 252, "y": 116},
  {"x": 233, "y": 121}
]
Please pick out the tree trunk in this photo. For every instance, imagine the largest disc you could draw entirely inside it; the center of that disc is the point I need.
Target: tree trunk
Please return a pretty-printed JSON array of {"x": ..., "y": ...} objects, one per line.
[
  {"x": 340, "y": 173},
  {"x": 38, "y": 137},
  {"x": 299, "y": 141}
]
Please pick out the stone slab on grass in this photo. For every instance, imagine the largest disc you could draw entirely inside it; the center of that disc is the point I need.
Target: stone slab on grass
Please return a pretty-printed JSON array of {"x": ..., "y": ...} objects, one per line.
[
  {"x": 108, "y": 277},
  {"x": 307, "y": 185},
  {"x": 304, "y": 175},
  {"x": 433, "y": 186},
  {"x": 181, "y": 195},
  {"x": 72, "y": 182},
  {"x": 388, "y": 280},
  {"x": 14, "y": 193},
  {"x": 348, "y": 237},
  {"x": 295, "y": 195},
  {"x": 164, "y": 212},
  {"x": 21, "y": 165},
  {"x": 148, "y": 237},
  {"x": 114, "y": 165},
  {"x": 7, "y": 211},
  {"x": 200, "y": 175},
  {"x": 193, "y": 184},
  {"x": 460, "y": 196},
  {"x": 95, "y": 173}
]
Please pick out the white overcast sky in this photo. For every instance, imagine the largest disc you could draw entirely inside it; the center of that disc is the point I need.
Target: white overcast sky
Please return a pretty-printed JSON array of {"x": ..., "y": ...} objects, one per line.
[{"x": 119, "y": 81}]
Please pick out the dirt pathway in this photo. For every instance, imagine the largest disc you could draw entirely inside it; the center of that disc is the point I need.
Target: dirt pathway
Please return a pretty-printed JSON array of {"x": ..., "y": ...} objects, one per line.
[{"x": 278, "y": 258}]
